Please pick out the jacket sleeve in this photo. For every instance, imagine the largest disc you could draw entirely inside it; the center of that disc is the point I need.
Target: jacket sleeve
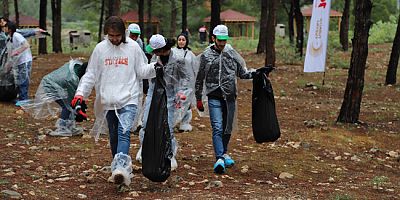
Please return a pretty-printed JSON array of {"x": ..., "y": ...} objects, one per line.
[
  {"x": 200, "y": 78},
  {"x": 143, "y": 70},
  {"x": 89, "y": 79},
  {"x": 242, "y": 71}
]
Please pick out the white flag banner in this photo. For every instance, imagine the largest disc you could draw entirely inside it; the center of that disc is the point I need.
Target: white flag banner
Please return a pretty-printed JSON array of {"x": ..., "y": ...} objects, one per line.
[{"x": 318, "y": 37}]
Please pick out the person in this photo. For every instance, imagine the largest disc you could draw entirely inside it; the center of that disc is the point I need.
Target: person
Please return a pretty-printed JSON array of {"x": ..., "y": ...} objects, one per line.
[
  {"x": 20, "y": 60},
  {"x": 191, "y": 60},
  {"x": 203, "y": 34},
  {"x": 134, "y": 33},
  {"x": 59, "y": 86},
  {"x": 219, "y": 66},
  {"x": 27, "y": 32},
  {"x": 115, "y": 68},
  {"x": 177, "y": 79}
]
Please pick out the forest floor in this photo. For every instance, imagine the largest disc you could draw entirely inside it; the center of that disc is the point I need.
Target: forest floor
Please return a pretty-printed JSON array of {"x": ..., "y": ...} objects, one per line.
[{"x": 315, "y": 157}]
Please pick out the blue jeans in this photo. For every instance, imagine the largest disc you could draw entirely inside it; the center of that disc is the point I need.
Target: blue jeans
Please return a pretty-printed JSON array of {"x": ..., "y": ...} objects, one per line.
[
  {"x": 119, "y": 127},
  {"x": 218, "y": 116},
  {"x": 65, "y": 112},
  {"x": 23, "y": 78}
]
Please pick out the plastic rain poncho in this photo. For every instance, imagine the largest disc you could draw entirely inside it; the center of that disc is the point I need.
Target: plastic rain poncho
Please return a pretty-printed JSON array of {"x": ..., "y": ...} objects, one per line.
[
  {"x": 192, "y": 68},
  {"x": 219, "y": 70},
  {"x": 177, "y": 77},
  {"x": 114, "y": 72},
  {"x": 18, "y": 52},
  {"x": 8, "y": 89},
  {"x": 60, "y": 84}
]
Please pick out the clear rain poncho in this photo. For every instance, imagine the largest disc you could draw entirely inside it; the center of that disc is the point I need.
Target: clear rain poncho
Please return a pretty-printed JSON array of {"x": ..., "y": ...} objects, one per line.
[
  {"x": 115, "y": 73},
  {"x": 61, "y": 85},
  {"x": 179, "y": 82},
  {"x": 191, "y": 69},
  {"x": 220, "y": 70}
]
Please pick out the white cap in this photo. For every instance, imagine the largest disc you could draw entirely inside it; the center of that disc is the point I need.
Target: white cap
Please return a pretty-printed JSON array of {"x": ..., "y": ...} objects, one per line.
[
  {"x": 221, "y": 32},
  {"x": 134, "y": 28},
  {"x": 157, "y": 41}
]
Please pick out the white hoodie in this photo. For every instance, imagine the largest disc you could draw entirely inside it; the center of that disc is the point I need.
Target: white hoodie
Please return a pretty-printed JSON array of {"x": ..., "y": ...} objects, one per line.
[{"x": 115, "y": 71}]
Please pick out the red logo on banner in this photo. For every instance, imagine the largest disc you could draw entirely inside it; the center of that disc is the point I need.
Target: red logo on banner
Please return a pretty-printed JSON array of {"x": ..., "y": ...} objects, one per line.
[{"x": 322, "y": 4}]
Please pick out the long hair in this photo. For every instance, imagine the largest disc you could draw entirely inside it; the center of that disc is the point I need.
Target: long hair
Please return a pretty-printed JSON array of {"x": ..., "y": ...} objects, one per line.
[{"x": 117, "y": 24}]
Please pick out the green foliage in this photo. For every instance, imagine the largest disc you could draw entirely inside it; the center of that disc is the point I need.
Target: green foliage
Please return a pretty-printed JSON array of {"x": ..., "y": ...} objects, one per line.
[
  {"x": 379, "y": 181},
  {"x": 383, "y": 32},
  {"x": 286, "y": 52},
  {"x": 342, "y": 197}
]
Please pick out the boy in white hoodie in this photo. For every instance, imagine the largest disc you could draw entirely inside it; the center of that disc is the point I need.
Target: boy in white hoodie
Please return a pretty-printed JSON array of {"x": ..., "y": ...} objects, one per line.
[{"x": 115, "y": 68}]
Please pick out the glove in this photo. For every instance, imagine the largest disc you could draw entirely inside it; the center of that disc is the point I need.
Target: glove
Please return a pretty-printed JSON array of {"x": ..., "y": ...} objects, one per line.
[
  {"x": 200, "y": 106},
  {"x": 80, "y": 111},
  {"x": 76, "y": 99}
]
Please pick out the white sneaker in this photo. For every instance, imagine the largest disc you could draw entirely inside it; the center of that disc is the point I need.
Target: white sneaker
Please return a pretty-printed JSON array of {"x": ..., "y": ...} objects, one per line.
[
  {"x": 174, "y": 164},
  {"x": 139, "y": 155},
  {"x": 185, "y": 127}
]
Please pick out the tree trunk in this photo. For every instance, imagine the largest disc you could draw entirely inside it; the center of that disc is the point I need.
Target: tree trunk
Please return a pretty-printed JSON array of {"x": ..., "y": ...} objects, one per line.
[
  {"x": 344, "y": 26},
  {"x": 350, "y": 110},
  {"x": 299, "y": 27},
  {"x": 215, "y": 18},
  {"x": 184, "y": 16},
  {"x": 42, "y": 25},
  {"x": 394, "y": 57},
  {"x": 291, "y": 22},
  {"x": 6, "y": 11},
  {"x": 110, "y": 9},
  {"x": 117, "y": 8},
  {"x": 149, "y": 27},
  {"x": 173, "y": 19},
  {"x": 16, "y": 12},
  {"x": 141, "y": 18},
  {"x": 101, "y": 21},
  {"x": 262, "y": 38},
  {"x": 270, "y": 43},
  {"x": 56, "y": 12}
]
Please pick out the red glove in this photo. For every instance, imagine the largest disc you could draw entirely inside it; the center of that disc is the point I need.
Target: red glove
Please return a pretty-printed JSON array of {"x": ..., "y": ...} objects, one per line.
[
  {"x": 76, "y": 99},
  {"x": 200, "y": 106}
]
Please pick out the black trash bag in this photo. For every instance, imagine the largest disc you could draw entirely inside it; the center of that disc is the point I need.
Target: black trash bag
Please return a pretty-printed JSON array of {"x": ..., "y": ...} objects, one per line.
[
  {"x": 156, "y": 147},
  {"x": 8, "y": 89},
  {"x": 264, "y": 120}
]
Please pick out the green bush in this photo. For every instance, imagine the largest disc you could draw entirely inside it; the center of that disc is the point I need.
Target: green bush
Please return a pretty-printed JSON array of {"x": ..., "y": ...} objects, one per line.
[{"x": 383, "y": 32}]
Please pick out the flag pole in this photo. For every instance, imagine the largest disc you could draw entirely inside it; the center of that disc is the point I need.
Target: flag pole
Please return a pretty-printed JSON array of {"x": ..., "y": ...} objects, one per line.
[{"x": 323, "y": 79}]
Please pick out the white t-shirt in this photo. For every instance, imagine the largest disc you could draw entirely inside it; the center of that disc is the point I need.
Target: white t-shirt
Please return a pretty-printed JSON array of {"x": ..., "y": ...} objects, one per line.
[{"x": 17, "y": 41}]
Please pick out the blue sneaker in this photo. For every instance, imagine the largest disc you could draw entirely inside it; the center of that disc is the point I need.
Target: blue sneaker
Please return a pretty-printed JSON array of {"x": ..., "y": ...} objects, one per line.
[
  {"x": 219, "y": 166},
  {"x": 228, "y": 161}
]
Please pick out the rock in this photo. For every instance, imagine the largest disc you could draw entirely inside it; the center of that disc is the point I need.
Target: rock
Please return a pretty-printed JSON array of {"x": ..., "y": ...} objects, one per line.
[
  {"x": 285, "y": 175},
  {"x": 331, "y": 179},
  {"x": 134, "y": 194},
  {"x": 355, "y": 158},
  {"x": 82, "y": 196},
  {"x": 202, "y": 126},
  {"x": 11, "y": 194},
  {"x": 214, "y": 184},
  {"x": 338, "y": 158},
  {"x": 54, "y": 148},
  {"x": 393, "y": 154},
  {"x": 19, "y": 112},
  {"x": 186, "y": 166},
  {"x": 33, "y": 148},
  {"x": 14, "y": 187},
  {"x": 9, "y": 174}
]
